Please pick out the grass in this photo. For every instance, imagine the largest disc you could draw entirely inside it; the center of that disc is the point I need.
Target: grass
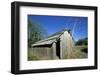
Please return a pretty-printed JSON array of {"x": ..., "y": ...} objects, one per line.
[{"x": 78, "y": 53}]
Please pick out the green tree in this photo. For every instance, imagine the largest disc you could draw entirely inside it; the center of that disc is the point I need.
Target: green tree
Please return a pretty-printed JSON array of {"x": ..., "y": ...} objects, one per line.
[
  {"x": 83, "y": 41},
  {"x": 35, "y": 32}
]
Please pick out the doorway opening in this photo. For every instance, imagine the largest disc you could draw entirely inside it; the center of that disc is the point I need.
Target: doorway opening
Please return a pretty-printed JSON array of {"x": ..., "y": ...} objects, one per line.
[{"x": 58, "y": 48}]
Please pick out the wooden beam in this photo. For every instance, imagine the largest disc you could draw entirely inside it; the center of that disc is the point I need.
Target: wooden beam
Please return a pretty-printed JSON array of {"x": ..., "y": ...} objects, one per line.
[{"x": 54, "y": 50}]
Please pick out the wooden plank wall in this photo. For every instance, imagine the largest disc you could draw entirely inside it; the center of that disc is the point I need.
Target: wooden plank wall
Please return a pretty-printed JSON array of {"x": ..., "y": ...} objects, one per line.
[{"x": 43, "y": 53}]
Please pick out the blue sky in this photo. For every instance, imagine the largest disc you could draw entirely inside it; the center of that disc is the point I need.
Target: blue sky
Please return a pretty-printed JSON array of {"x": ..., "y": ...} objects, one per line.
[{"x": 52, "y": 24}]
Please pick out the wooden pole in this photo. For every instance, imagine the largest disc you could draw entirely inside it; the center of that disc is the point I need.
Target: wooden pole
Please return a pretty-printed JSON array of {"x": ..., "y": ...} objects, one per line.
[{"x": 54, "y": 50}]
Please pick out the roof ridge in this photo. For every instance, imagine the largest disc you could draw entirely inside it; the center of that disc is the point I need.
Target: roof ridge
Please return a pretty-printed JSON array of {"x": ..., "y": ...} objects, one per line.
[{"x": 59, "y": 32}]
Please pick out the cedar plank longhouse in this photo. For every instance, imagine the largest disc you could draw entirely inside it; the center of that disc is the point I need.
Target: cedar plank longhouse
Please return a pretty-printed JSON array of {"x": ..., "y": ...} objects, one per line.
[{"x": 57, "y": 46}]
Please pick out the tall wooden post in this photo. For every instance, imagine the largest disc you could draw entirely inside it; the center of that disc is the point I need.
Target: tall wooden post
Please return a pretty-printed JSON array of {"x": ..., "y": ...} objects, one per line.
[{"x": 54, "y": 50}]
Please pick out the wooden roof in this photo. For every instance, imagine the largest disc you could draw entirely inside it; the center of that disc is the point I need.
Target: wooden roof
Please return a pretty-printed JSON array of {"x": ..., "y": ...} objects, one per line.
[{"x": 50, "y": 39}]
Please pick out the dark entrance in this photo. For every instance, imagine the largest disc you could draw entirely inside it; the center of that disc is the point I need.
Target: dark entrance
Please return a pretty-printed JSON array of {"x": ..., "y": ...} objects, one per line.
[{"x": 58, "y": 48}]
